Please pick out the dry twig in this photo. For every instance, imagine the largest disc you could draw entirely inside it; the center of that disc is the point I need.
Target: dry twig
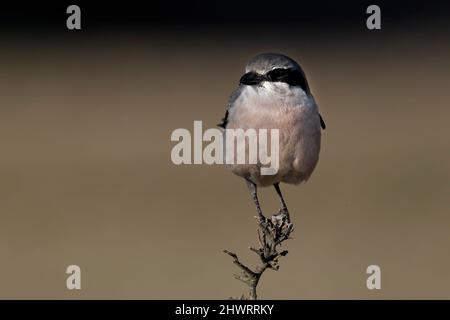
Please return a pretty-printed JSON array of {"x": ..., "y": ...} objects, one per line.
[{"x": 271, "y": 233}]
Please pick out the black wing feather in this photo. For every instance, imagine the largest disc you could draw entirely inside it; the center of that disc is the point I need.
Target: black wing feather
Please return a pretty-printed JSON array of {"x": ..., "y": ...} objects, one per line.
[
  {"x": 224, "y": 121},
  {"x": 236, "y": 93},
  {"x": 322, "y": 123}
]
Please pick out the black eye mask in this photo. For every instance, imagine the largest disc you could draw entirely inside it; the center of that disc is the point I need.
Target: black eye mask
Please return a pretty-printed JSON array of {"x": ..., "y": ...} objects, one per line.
[{"x": 290, "y": 76}]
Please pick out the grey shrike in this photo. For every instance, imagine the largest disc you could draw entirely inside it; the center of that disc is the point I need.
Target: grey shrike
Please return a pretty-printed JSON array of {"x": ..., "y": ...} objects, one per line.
[{"x": 274, "y": 94}]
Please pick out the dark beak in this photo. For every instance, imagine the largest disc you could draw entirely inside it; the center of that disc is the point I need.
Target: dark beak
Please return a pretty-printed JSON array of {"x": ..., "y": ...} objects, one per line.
[{"x": 251, "y": 78}]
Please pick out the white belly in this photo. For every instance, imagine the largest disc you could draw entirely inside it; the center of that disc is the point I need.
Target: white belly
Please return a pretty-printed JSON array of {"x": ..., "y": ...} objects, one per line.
[{"x": 296, "y": 117}]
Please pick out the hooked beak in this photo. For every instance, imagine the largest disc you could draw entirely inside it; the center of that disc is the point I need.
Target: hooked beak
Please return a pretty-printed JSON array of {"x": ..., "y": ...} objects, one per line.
[{"x": 251, "y": 78}]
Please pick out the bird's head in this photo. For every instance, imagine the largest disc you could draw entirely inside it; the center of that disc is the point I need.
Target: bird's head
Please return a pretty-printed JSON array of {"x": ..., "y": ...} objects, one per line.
[{"x": 274, "y": 68}]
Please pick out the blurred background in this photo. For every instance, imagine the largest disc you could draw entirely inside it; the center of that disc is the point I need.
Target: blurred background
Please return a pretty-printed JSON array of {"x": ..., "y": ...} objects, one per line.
[{"x": 86, "y": 176}]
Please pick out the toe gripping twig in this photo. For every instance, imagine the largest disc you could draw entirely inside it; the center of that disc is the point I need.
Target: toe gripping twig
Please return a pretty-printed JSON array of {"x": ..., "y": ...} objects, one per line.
[{"x": 271, "y": 233}]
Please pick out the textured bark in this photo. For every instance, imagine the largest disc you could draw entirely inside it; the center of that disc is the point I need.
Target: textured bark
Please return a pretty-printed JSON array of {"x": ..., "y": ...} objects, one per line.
[{"x": 271, "y": 233}]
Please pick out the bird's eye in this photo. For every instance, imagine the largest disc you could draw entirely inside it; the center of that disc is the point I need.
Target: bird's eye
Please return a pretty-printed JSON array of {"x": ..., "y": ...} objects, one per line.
[
  {"x": 290, "y": 76},
  {"x": 278, "y": 74}
]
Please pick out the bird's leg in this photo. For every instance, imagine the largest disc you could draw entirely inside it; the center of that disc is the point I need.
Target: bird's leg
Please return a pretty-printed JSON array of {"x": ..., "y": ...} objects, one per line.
[
  {"x": 253, "y": 190},
  {"x": 284, "y": 208}
]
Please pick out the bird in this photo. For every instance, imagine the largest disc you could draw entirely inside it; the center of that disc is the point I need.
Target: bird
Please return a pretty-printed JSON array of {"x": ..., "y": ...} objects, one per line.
[{"x": 273, "y": 93}]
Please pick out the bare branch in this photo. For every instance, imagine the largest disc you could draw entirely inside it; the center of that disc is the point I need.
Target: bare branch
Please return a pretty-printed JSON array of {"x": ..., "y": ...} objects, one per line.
[{"x": 271, "y": 233}]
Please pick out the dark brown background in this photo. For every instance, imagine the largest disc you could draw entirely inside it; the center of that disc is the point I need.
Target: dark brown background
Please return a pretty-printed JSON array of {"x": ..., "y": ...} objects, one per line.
[{"x": 86, "y": 176}]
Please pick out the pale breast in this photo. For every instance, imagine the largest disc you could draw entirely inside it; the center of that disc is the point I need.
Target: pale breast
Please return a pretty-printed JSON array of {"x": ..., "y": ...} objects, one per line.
[{"x": 296, "y": 117}]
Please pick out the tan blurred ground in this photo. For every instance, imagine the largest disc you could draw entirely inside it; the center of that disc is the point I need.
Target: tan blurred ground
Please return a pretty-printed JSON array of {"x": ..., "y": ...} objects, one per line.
[{"x": 86, "y": 176}]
